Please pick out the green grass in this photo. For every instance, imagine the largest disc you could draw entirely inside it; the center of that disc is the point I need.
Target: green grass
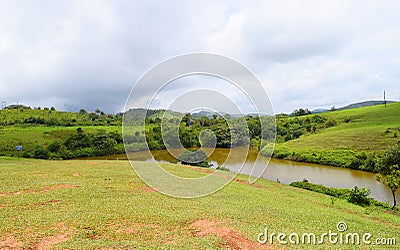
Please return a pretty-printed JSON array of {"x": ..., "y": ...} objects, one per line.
[
  {"x": 368, "y": 129},
  {"x": 31, "y": 135},
  {"x": 110, "y": 208},
  {"x": 364, "y": 132}
]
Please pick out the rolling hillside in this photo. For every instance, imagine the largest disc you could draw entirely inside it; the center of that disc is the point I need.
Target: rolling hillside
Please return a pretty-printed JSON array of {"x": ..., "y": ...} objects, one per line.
[{"x": 368, "y": 129}]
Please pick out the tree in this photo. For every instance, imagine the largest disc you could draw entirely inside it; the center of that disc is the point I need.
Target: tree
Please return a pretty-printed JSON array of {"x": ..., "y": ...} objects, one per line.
[
  {"x": 194, "y": 158},
  {"x": 388, "y": 168},
  {"x": 82, "y": 111},
  {"x": 301, "y": 112}
]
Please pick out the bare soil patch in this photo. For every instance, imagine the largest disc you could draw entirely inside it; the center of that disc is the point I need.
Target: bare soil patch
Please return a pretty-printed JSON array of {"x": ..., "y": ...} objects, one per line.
[
  {"x": 233, "y": 239},
  {"x": 250, "y": 184},
  {"x": 148, "y": 189},
  {"x": 10, "y": 242},
  {"x": 48, "y": 241}
]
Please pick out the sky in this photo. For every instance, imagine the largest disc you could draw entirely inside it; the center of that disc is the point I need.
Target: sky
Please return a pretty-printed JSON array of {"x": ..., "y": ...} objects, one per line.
[{"x": 306, "y": 54}]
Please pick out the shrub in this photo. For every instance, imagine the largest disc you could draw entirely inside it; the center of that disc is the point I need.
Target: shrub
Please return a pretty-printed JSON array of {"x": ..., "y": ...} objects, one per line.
[
  {"x": 359, "y": 196},
  {"x": 335, "y": 192},
  {"x": 40, "y": 153},
  {"x": 54, "y": 147},
  {"x": 194, "y": 158}
]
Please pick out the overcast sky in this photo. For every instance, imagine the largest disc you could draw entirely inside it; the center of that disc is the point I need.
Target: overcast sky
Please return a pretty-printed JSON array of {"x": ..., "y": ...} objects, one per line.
[{"x": 89, "y": 54}]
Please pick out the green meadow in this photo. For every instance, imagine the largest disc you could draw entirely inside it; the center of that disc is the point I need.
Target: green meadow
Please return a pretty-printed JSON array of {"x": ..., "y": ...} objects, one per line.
[{"x": 79, "y": 204}]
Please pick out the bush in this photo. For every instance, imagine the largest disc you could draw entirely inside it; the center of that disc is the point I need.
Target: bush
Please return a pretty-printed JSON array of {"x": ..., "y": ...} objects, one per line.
[
  {"x": 335, "y": 192},
  {"x": 54, "y": 147},
  {"x": 359, "y": 196},
  {"x": 40, "y": 153},
  {"x": 194, "y": 158}
]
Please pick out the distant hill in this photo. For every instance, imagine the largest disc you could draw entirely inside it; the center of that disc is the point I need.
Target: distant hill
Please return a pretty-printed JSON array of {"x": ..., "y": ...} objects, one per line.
[
  {"x": 364, "y": 104},
  {"x": 353, "y": 106},
  {"x": 140, "y": 113}
]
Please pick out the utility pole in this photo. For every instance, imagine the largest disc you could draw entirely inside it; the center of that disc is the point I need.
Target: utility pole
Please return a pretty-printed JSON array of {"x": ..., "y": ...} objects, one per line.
[{"x": 384, "y": 97}]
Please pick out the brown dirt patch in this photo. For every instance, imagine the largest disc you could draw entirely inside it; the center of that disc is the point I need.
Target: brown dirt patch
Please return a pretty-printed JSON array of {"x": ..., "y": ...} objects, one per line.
[
  {"x": 75, "y": 174},
  {"x": 48, "y": 241},
  {"x": 148, "y": 189},
  {"x": 209, "y": 171},
  {"x": 203, "y": 170},
  {"x": 2, "y": 205},
  {"x": 10, "y": 242},
  {"x": 42, "y": 190},
  {"x": 41, "y": 176},
  {"x": 251, "y": 184},
  {"x": 233, "y": 239}
]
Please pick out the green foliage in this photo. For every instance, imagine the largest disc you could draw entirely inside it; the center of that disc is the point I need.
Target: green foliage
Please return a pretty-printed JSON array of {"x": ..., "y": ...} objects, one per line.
[
  {"x": 360, "y": 196},
  {"x": 344, "y": 145},
  {"x": 40, "y": 153},
  {"x": 300, "y": 112},
  {"x": 51, "y": 117},
  {"x": 334, "y": 192},
  {"x": 194, "y": 158},
  {"x": 388, "y": 167}
]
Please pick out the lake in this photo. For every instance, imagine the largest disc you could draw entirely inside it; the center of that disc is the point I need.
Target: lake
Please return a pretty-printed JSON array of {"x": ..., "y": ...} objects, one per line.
[{"x": 278, "y": 170}]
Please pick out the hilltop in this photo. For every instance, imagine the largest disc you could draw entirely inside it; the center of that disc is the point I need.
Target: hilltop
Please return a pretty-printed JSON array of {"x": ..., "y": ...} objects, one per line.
[{"x": 353, "y": 106}]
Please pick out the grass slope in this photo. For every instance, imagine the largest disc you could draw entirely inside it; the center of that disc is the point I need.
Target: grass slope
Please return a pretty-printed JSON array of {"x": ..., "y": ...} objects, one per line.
[
  {"x": 367, "y": 129},
  {"x": 30, "y": 135},
  {"x": 103, "y": 204}
]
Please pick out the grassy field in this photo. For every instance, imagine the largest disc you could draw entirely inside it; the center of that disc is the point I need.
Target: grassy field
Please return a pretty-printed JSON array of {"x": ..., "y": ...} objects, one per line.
[
  {"x": 367, "y": 129},
  {"x": 31, "y": 135},
  {"x": 103, "y": 204}
]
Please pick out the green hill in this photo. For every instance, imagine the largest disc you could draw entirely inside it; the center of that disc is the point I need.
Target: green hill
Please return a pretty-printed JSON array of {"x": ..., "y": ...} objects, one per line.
[{"x": 363, "y": 130}]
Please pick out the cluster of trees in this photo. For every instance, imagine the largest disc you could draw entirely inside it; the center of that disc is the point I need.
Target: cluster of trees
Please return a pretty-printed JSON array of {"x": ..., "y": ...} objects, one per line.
[
  {"x": 292, "y": 128},
  {"x": 225, "y": 132},
  {"x": 301, "y": 112},
  {"x": 197, "y": 131},
  {"x": 78, "y": 145}
]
